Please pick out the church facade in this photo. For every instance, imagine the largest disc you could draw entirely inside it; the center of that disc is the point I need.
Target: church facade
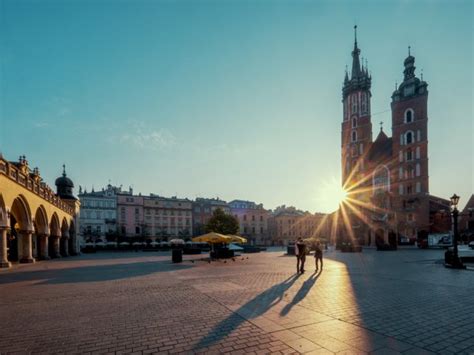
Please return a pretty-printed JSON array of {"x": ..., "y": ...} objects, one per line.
[{"x": 386, "y": 179}]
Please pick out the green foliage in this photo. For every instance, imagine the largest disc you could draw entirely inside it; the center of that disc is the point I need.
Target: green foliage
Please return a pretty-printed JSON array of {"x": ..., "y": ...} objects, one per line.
[{"x": 222, "y": 223}]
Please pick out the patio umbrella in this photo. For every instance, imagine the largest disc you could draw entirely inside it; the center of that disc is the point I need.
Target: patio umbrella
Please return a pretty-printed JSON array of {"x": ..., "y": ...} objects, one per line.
[
  {"x": 235, "y": 247},
  {"x": 111, "y": 243},
  {"x": 100, "y": 244},
  {"x": 125, "y": 243},
  {"x": 90, "y": 244},
  {"x": 137, "y": 243},
  {"x": 213, "y": 238},
  {"x": 154, "y": 243},
  {"x": 237, "y": 239},
  {"x": 176, "y": 241}
]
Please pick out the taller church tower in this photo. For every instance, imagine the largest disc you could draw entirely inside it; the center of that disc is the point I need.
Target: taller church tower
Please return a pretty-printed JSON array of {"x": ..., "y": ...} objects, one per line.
[{"x": 356, "y": 125}]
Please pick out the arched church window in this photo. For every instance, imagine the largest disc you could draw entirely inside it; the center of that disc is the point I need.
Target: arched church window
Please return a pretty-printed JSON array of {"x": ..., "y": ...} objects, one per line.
[
  {"x": 354, "y": 136},
  {"x": 364, "y": 102},
  {"x": 409, "y": 115},
  {"x": 354, "y": 103},
  {"x": 409, "y": 137}
]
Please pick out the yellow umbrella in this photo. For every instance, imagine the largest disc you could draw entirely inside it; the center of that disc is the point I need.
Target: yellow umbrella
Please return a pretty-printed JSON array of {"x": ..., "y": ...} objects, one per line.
[
  {"x": 237, "y": 239},
  {"x": 212, "y": 238}
]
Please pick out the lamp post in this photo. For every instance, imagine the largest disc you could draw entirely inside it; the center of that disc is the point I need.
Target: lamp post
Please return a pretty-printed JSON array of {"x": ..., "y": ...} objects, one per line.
[{"x": 455, "y": 262}]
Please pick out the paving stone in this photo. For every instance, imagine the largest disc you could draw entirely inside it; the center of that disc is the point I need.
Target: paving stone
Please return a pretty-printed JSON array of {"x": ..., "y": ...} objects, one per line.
[{"x": 141, "y": 302}]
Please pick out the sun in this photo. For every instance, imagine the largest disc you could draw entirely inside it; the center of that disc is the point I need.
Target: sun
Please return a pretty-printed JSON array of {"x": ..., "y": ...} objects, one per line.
[{"x": 331, "y": 194}]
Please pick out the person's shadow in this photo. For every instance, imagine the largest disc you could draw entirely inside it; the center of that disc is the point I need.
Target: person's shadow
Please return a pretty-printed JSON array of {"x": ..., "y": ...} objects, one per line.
[
  {"x": 254, "y": 308},
  {"x": 302, "y": 292}
]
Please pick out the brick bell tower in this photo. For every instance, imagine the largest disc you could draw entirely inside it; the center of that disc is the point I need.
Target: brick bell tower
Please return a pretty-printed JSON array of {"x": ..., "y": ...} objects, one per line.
[
  {"x": 410, "y": 152},
  {"x": 356, "y": 125}
]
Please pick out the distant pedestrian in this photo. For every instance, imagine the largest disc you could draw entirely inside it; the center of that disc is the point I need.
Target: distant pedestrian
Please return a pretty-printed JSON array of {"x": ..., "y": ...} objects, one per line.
[
  {"x": 300, "y": 251},
  {"x": 318, "y": 255}
]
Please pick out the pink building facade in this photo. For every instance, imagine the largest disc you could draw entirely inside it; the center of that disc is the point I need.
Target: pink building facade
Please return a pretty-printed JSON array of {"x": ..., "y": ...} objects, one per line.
[{"x": 130, "y": 215}]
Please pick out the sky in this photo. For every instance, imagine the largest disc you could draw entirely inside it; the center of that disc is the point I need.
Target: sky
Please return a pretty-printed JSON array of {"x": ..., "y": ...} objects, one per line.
[{"x": 236, "y": 99}]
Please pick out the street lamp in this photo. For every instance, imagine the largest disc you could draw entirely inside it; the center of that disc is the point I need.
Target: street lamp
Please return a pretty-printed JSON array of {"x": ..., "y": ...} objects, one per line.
[{"x": 454, "y": 261}]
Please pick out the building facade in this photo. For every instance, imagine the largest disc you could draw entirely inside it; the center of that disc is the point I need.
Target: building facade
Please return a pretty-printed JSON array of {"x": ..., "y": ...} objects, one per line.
[
  {"x": 98, "y": 216},
  {"x": 203, "y": 208},
  {"x": 35, "y": 222},
  {"x": 387, "y": 178},
  {"x": 288, "y": 224},
  {"x": 130, "y": 214},
  {"x": 167, "y": 218},
  {"x": 253, "y": 221}
]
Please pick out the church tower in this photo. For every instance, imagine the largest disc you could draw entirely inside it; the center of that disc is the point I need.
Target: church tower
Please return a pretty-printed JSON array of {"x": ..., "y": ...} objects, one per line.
[
  {"x": 356, "y": 125},
  {"x": 410, "y": 152}
]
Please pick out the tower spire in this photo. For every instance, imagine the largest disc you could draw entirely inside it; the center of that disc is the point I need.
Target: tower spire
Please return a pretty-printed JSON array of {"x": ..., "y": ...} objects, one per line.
[{"x": 355, "y": 57}]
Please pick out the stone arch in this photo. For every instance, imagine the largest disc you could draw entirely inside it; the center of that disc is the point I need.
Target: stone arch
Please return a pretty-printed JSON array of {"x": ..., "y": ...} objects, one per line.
[
  {"x": 55, "y": 235},
  {"x": 21, "y": 230},
  {"x": 64, "y": 242},
  {"x": 54, "y": 225},
  {"x": 21, "y": 211},
  {"x": 41, "y": 228},
  {"x": 4, "y": 222},
  {"x": 41, "y": 221}
]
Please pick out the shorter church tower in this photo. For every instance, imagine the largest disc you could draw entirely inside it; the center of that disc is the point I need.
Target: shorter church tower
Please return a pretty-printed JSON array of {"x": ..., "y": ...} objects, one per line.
[
  {"x": 410, "y": 152},
  {"x": 356, "y": 125}
]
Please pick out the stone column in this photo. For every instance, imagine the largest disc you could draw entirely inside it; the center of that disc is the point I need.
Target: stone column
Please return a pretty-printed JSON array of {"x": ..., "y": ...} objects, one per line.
[
  {"x": 74, "y": 250},
  {"x": 26, "y": 250},
  {"x": 44, "y": 247},
  {"x": 64, "y": 246},
  {"x": 3, "y": 248},
  {"x": 56, "y": 250}
]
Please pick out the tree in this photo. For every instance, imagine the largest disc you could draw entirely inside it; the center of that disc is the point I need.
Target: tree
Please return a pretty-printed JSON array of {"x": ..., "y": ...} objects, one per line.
[{"x": 222, "y": 223}]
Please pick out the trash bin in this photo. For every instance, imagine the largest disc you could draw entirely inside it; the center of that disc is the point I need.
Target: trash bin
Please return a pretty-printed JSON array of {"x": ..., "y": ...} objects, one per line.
[{"x": 177, "y": 255}]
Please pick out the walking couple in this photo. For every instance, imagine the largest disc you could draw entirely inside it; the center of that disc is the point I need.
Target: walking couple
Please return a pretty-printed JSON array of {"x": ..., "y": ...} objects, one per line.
[{"x": 300, "y": 252}]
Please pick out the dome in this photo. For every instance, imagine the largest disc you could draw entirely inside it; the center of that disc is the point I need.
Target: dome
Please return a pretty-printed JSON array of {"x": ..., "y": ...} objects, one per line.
[
  {"x": 64, "y": 181},
  {"x": 64, "y": 186},
  {"x": 409, "y": 60}
]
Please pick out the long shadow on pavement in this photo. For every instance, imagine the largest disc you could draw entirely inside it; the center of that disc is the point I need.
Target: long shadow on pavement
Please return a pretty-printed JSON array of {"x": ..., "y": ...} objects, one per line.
[
  {"x": 301, "y": 294},
  {"x": 92, "y": 273},
  {"x": 252, "y": 309}
]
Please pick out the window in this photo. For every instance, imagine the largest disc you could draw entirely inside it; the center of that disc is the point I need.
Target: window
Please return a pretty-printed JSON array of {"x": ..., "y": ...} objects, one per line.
[
  {"x": 400, "y": 156},
  {"x": 418, "y": 135},
  {"x": 361, "y": 149},
  {"x": 400, "y": 173},
  {"x": 261, "y": 230},
  {"x": 409, "y": 137},
  {"x": 253, "y": 230},
  {"x": 400, "y": 189},
  {"x": 354, "y": 122},
  {"x": 409, "y": 115},
  {"x": 418, "y": 187},
  {"x": 253, "y": 218},
  {"x": 137, "y": 230},
  {"x": 410, "y": 217},
  {"x": 417, "y": 152},
  {"x": 354, "y": 136},
  {"x": 402, "y": 140},
  {"x": 418, "y": 170},
  {"x": 364, "y": 102},
  {"x": 409, "y": 155},
  {"x": 409, "y": 190},
  {"x": 261, "y": 218},
  {"x": 245, "y": 217},
  {"x": 354, "y": 103}
]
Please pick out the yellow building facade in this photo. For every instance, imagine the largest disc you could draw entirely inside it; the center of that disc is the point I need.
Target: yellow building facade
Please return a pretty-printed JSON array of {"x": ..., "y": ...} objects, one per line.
[{"x": 35, "y": 222}]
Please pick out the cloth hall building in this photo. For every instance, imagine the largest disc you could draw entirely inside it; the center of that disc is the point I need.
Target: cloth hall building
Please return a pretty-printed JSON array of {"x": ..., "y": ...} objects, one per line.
[{"x": 386, "y": 179}]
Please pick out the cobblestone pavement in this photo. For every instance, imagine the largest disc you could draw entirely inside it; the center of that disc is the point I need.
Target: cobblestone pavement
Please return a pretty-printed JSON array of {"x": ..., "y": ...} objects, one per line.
[{"x": 371, "y": 302}]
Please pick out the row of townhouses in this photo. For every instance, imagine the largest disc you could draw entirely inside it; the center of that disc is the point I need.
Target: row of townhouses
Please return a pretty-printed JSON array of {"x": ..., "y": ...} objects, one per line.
[{"x": 113, "y": 212}]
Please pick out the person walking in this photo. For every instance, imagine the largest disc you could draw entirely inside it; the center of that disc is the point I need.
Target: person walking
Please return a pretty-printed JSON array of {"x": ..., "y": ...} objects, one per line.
[
  {"x": 300, "y": 251},
  {"x": 318, "y": 255}
]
